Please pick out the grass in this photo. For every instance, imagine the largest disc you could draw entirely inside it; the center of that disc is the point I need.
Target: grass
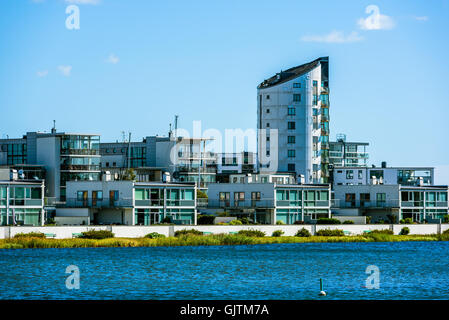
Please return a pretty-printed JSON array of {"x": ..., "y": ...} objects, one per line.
[{"x": 205, "y": 240}]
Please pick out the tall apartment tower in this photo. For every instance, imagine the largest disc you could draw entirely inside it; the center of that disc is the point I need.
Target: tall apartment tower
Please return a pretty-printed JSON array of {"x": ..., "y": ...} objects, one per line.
[{"x": 295, "y": 102}]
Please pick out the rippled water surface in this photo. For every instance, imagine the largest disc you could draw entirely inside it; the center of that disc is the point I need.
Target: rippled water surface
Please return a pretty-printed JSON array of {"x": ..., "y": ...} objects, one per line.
[{"x": 408, "y": 270}]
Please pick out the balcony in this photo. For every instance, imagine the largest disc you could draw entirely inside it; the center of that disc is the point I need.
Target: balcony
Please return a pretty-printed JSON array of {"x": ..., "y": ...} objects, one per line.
[
  {"x": 214, "y": 203},
  {"x": 86, "y": 152},
  {"x": 97, "y": 203},
  {"x": 336, "y": 203},
  {"x": 25, "y": 202},
  {"x": 79, "y": 167}
]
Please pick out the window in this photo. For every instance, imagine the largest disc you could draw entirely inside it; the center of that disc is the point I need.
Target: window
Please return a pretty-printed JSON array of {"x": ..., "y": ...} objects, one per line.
[
  {"x": 224, "y": 198},
  {"x": 291, "y": 125},
  {"x": 360, "y": 174},
  {"x": 239, "y": 197},
  {"x": 350, "y": 199},
  {"x": 107, "y": 164},
  {"x": 291, "y": 153},
  {"x": 255, "y": 196},
  {"x": 297, "y": 97},
  {"x": 381, "y": 199},
  {"x": 376, "y": 173},
  {"x": 365, "y": 198},
  {"x": 268, "y": 97},
  {"x": 291, "y": 139},
  {"x": 268, "y": 152},
  {"x": 297, "y": 85},
  {"x": 268, "y": 124},
  {"x": 349, "y": 174},
  {"x": 291, "y": 111},
  {"x": 114, "y": 164},
  {"x": 268, "y": 110},
  {"x": 315, "y": 99},
  {"x": 291, "y": 167},
  {"x": 268, "y": 138},
  {"x": 315, "y": 83}
]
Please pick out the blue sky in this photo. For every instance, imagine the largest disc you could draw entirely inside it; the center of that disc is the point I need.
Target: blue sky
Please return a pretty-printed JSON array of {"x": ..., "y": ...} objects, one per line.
[{"x": 134, "y": 64}]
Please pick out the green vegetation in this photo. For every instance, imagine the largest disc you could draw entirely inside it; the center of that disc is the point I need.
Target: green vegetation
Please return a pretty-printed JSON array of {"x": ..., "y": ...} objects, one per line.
[
  {"x": 154, "y": 235},
  {"x": 201, "y": 194},
  {"x": 208, "y": 240},
  {"x": 280, "y": 222},
  {"x": 404, "y": 231},
  {"x": 251, "y": 233},
  {"x": 185, "y": 232},
  {"x": 244, "y": 220},
  {"x": 277, "y": 233},
  {"x": 406, "y": 221},
  {"x": 30, "y": 235},
  {"x": 96, "y": 234},
  {"x": 348, "y": 222},
  {"x": 328, "y": 221},
  {"x": 235, "y": 222},
  {"x": 303, "y": 233},
  {"x": 330, "y": 233}
]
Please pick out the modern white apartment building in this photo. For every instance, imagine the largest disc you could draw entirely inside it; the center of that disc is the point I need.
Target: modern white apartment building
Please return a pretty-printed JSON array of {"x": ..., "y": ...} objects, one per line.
[
  {"x": 344, "y": 153},
  {"x": 268, "y": 203},
  {"x": 409, "y": 176},
  {"x": 294, "y": 103}
]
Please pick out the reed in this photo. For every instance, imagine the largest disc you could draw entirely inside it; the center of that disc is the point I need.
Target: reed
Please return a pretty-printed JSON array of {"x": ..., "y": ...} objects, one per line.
[{"x": 205, "y": 240}]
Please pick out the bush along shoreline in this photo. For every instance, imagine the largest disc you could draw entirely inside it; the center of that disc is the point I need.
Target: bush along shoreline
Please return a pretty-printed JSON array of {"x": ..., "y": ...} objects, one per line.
[{"x": 92, "y": 239}]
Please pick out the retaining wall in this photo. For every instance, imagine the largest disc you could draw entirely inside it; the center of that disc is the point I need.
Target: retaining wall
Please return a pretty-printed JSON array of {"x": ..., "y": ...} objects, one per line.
[{"x": 63, "y": 232}]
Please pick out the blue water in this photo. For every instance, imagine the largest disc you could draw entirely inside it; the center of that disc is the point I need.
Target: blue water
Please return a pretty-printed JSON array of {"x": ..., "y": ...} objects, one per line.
[{"x": 408, "y": 270}]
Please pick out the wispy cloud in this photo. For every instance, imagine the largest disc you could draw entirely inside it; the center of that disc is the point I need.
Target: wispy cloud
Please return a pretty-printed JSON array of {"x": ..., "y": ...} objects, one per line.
[
  {"x": 334, "y": 37},
  {"x": 42, "y": 74},
  {"x": 112, "y": 59},
  {"x": 422, "y": 18},
  {"x": 65, "y": 70},
  {"x": 376, "y": 20},
  {"x": 83, "y": 1}
]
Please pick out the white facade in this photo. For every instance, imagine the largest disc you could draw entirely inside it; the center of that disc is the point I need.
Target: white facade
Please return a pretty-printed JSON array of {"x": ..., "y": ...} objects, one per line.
[{"x": 290, "y": 121}]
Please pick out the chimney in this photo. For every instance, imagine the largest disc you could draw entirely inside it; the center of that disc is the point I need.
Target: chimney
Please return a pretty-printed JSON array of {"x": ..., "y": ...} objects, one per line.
[{"x": 384, "y": 164}]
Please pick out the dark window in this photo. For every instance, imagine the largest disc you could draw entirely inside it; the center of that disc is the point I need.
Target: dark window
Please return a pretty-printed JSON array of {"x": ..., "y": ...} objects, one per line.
[
  {"x": 297, "y": 97},
  {"x": 296, "y": 85},
  {"x": 291, "y": 153},
  {"x": 291, "y": 139},
  {"x": 291, "y": 111},
  {"x": 291, "y": 167},
  {"x": 291, "y": 125},
  {"x": 268, "y": 110}
]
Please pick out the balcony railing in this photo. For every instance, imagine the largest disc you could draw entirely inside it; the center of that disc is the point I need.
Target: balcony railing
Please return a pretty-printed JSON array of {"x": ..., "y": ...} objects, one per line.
[
  {"x": 25, "y": 202},
  {"x": 98, "y": 203},
  {"x": 87, "y": 152},
  {"x": 214, "y": 203},
  {"x": 337, "y": 203},
  {"x": 80, "y": 167}
]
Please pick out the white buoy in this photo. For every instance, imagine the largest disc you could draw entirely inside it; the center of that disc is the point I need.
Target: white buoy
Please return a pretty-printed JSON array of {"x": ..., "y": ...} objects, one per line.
[{"x": 322, "y": 292}]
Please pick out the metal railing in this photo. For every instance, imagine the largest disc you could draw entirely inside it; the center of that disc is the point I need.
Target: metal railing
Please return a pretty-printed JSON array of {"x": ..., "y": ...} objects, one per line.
[
  {"x": 25, "y": 202},
  {"x": 215, "y": 203},
  {"x": 337, "y": 203},
  {"x": 98, "y": 203}
]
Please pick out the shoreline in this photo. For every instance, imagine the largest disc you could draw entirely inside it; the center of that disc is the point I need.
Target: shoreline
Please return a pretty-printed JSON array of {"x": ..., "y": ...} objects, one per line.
[{"x": 206, "y": 240}]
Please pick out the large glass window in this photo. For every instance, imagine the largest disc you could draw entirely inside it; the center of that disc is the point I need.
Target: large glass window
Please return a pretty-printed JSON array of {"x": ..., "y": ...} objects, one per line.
[
  {"x": 291, "y": 125},
  {"x": 291, "y": 111},
  {"x": 297, "y": 97}
]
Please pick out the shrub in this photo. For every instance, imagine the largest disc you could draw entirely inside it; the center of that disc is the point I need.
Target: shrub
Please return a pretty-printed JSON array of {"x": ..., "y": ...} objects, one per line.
[
  {"x": 368, "y": 219},
  {"x": 348, "y": 222},
  {"x": 407, "y": 221},
  {"x": 96, "y": 234},
  {"x": 154, "y": 235},
  {"x": 446, "y": 218},
  {"x": 328, "y": 221},
  {"x": 205, "y": 219},
  {"x": 280, "y": 222},
  {"x": 445, "y": 232},
  {"x": 380, "y": 232},
  {"x": 166, "y": 220},
  {"x": 223, "y": 214},
  {"x": 303, "y": 233},
  {"x": 185, "y": 232},
  {"x": 277, "y": 233},
  {"x": 330, "y": 233},
  {"x": 201, "y": 194},
  {"x": 298, "y": 222},
  {"x": 244, "y": 220},
  {"x": 404, "y": 231},
  {"x": 235, "y": 222},
  {"x": 30, "y": 235},
  {"x": 252, "y": 233}
]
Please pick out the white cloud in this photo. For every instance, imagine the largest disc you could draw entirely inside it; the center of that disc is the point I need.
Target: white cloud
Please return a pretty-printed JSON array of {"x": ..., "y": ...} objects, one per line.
[
  {"x": 65, "y": 70},
  {"x": 42, "y": 74},
  {"x": 375, "y": 21},
  {"x": 422, "y": 18},
  {"x": 112, "y": 59},
  {"x": 83, "y": 1},
  {"x": 334, "y": 37}
]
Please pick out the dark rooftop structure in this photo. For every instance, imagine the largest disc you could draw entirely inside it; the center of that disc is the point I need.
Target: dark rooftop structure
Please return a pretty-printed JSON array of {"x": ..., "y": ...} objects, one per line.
[{"x": 298, "y": 71}]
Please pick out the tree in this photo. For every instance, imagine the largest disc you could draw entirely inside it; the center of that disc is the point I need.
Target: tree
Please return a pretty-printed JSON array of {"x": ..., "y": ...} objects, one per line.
[{"x": 129, "y": 175}]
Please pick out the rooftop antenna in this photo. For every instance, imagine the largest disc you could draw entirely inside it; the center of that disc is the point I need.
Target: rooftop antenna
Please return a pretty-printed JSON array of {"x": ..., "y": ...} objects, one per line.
[
  {"x": 169, "y": 130},
  {"x": 176, "y": 125},
  {"x": 53, "y": 130},
  {"x": 123, "y": 136}
]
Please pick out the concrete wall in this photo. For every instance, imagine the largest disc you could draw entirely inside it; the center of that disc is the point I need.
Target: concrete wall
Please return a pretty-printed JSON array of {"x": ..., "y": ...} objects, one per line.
[
  {"x": 355, "y": 219},
  {"x": 289, "y": 230}
]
